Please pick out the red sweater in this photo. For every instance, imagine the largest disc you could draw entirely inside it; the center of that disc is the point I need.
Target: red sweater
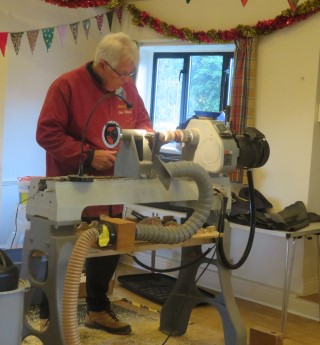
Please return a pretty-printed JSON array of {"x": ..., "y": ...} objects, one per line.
[{"x": 69, "y": 102}]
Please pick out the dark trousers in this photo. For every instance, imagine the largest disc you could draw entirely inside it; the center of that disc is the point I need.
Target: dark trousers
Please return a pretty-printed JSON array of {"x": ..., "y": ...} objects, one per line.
[{"x": 99, "y": 272}]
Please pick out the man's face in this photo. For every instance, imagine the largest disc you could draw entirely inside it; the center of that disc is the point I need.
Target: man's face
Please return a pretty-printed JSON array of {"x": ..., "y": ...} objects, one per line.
[{"x": 115, "y": 76}]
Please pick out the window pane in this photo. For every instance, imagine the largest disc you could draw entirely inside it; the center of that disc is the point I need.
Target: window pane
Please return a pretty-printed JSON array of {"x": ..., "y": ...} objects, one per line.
[
  {"x": 204, "y": 84},
  {"x": 167, "y": 94}
]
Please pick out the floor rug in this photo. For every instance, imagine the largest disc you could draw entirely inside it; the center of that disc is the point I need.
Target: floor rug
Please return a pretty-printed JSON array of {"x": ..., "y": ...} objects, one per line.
[{"x": 143, "y": 320}]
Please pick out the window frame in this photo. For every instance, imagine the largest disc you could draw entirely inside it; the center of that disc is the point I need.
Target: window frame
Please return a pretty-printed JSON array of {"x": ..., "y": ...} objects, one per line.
[{"x": 225, "y": 80}]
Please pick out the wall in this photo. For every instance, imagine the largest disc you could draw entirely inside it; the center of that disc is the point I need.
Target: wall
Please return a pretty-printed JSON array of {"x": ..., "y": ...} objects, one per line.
[
  {"x": 287, "y": 113},
  {"x": 3, "y": 83},
  {"x": 287, "y": 88},
  {"x": 203, "y": 14}
]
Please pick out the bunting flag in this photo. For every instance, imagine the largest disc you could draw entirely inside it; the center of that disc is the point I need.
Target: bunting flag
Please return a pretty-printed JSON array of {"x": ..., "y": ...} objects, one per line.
[
  {"x": 48, "y": 37},
  {"x": 244, "y": 2},
  {"x": 293, "y": 4},
  {"x": 99, "y": 21},
  {"x": 86, "y": 26},
  {"x": 110, "y": 18},
  {"x": 62, "y": 31},
  {"x": 3, "y": 42},
  {"x": 16, "y": 41},
  {"x": 48, "y": 33},
  {"x": 119, "y": 11},
  {"x": 75, "y": 29},
  {"x": 32, "y": 39}
]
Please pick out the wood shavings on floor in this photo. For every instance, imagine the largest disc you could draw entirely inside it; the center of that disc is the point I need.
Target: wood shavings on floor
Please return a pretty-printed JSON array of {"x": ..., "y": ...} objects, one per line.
[{"x": 144, "y": 323}]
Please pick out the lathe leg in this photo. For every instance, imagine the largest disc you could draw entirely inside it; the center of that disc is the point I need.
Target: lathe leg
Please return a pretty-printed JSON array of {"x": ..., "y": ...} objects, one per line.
[
  {"x": 57, "y": 244},
  {"x": 234, "y": 329},
  {"x": 175, "y": 313}
]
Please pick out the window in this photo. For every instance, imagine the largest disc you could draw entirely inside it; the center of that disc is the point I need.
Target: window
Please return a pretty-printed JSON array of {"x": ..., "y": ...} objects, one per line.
[{"x": 188, "y": 84}]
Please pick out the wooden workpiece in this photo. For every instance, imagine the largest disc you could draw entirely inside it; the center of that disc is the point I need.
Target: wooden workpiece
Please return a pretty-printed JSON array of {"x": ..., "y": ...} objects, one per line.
[{"x": 265, "y": 336}]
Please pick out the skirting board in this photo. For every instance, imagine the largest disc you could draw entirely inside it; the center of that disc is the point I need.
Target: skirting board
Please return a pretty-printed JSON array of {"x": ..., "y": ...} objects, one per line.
[{"x": 243, "y": 288}]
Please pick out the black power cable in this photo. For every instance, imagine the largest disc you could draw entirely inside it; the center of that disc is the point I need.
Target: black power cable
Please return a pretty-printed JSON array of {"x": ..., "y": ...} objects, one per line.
[
  {"x": 166, "y": 270},
  {"x": 252, "y": 209}
]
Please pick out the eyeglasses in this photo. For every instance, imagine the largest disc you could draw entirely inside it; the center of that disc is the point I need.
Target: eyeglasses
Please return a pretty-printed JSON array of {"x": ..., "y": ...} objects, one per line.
[{"x": 120, "y": 75}]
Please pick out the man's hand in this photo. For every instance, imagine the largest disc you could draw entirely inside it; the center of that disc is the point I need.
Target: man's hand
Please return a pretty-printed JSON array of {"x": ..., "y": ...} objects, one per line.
[{"x": 103, "y": 159}]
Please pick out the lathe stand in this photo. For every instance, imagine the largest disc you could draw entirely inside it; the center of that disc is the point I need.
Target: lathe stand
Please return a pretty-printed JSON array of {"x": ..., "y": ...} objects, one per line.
[
  {"x": 185, "y": 296},
  {"x": 57, "y": 242}
]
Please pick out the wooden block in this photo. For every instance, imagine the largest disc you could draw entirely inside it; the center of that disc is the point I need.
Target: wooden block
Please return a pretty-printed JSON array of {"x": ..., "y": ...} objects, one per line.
[
  {"x": 126, "y": 233},
  {"x": 264, "y": 336}
]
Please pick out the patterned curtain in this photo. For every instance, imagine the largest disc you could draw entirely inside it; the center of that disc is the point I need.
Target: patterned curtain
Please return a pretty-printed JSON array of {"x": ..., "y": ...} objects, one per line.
[{"x": 242, "y": 112}]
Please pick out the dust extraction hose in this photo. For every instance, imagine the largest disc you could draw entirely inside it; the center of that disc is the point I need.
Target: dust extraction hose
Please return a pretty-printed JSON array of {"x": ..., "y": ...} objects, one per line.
[
  {"x": 171, "y": 234},
  {"x": 150, "y": 233},
  {"x": 70, "y": 326}
]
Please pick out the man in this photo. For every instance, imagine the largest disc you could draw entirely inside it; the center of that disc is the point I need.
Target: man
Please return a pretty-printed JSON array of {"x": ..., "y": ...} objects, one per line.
[{"x": 77, "y": 106}]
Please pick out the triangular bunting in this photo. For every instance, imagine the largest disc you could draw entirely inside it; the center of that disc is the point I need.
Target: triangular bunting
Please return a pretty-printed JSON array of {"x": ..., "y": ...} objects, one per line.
[
  {"x": 32, "y": 38},
  {"x": 62, "y": 30},
  {"x": 244, "y": 2},
  {"x": 48, "y": 37},
  {"x": 3, "y": 42},
  {"x": 86, "y": 27},
  {"x": 293, "y": 4},
  {"x": 16, "y": 40},
  {"x": 99, "y": 21},
  {"x": 48, "y": 33},
  {"x": 74, "y": 29},
  {"x": 110, "y": 17}
]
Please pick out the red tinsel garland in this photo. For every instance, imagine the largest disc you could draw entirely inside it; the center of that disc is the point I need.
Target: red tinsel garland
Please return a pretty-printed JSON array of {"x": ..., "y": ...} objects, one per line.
[
  {"x": 111, "y": 4},
  {"x": 142, "y": 18},
  {"x": 264, "y": 27}
]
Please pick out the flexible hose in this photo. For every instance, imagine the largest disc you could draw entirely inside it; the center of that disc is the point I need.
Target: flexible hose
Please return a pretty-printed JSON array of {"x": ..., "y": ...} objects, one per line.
[
  {"x": 70, "y": 327},
  {"x": 173, "y": 234},
  {"x": 150, "y": 233}
]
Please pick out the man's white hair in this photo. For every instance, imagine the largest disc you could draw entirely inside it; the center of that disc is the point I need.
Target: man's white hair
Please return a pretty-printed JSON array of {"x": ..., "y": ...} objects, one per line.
[{"x": 117, "y": 48}]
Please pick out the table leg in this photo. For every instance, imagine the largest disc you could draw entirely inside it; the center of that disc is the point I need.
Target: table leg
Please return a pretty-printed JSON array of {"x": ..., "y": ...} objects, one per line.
[
  {"x": 318, "y": 265},
  {"x": 287, "y": 281}
]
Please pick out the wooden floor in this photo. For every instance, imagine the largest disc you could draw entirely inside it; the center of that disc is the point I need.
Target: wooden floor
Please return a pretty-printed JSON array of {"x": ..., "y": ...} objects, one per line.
[{"x": 299, "y": 331}]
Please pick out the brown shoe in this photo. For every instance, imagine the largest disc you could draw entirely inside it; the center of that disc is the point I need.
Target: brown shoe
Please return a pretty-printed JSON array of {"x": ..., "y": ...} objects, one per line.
[
  {"x": 107, "y": 321},
  {"x": 44, "y": 323}
]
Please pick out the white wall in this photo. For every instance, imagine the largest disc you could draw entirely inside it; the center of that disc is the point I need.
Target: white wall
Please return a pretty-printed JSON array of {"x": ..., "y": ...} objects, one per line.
[
  {"x": 287, "y": 89},
  {"x": 203, "y": 14},
  {"x": 3, "y": 83}
]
